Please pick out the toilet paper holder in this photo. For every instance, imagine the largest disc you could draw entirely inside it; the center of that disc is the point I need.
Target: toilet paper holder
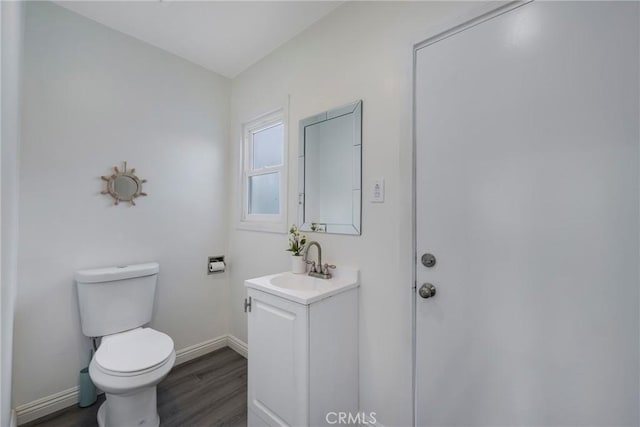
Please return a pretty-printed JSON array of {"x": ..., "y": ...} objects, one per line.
[{"x": 216, "y": 264}]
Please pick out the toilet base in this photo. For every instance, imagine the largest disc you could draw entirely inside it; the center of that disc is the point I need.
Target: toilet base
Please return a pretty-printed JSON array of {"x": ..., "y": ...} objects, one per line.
[
  {"x": 132, "y": 409},
  {"x": 101, "y": 416}
]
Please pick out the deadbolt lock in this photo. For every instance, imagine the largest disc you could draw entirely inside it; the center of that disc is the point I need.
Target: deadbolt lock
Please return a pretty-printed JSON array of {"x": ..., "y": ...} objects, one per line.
[{"x": 428, "y": 260}]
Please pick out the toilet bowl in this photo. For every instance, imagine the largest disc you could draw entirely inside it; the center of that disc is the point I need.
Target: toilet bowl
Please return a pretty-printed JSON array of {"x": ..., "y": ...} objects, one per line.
[{"x": 127, "y": 367}]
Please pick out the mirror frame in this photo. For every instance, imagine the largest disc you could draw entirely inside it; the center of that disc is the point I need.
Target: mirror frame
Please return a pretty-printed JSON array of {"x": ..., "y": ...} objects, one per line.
[
  {"x": 354, "y": 228},
  {"x": 111, "y": 190}
]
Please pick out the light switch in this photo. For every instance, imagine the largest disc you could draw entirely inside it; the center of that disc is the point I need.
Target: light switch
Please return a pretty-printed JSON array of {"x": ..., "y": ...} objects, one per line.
[{"x": 377, "y": 191}]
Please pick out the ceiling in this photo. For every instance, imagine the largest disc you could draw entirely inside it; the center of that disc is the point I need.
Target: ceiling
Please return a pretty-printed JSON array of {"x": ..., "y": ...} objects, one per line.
[{"x": 224, "y": 36}]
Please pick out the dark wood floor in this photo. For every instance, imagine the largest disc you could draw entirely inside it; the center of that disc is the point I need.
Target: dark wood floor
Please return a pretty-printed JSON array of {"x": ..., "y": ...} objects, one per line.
[{"x": 208, "y": 391}]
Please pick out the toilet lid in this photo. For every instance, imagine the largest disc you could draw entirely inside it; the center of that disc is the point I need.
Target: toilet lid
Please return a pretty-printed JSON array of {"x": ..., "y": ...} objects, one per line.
[{"x": 134, "y": 350}]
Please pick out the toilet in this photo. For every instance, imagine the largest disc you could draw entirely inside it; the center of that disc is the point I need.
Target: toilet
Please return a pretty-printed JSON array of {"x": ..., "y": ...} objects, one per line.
[{"x": 115, "y": 304}]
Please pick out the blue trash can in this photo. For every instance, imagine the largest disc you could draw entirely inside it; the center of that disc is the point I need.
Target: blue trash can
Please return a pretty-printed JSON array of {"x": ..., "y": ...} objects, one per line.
[{"x": 87, "y": 395}]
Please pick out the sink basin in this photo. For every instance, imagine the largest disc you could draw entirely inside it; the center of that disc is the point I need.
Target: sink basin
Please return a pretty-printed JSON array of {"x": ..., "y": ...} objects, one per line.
[
  {"x": 299, "y": 282},
  {"x": 305, "y": 289}
]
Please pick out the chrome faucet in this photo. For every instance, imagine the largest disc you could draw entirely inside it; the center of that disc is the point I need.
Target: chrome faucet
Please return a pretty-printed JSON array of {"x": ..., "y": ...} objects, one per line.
[{"x": 317, "y": 269}]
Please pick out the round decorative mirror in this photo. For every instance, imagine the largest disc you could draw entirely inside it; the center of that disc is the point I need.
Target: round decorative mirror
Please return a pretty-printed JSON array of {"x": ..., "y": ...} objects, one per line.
[{"x": 123, "y": 186}]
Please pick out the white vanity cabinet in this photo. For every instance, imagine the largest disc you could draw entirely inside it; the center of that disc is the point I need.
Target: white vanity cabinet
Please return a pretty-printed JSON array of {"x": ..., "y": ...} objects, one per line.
[{"x": 303, "y": 353}]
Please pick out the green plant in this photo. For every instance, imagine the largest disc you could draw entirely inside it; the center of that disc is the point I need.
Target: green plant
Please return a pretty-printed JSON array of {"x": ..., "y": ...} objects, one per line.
[{"x": 296, "y": 241}]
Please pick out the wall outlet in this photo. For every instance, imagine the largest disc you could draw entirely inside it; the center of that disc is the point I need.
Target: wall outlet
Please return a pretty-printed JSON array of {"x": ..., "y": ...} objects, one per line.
[{"x": 377, "y": 191}]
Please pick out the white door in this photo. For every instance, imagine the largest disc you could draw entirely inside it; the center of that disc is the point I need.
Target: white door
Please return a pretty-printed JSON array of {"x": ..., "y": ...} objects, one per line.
[
  {"x": 278, "y": 366},
  {"x": 527, "y": 193}
]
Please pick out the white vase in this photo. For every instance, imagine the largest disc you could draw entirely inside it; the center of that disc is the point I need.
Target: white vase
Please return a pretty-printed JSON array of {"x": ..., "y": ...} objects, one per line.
[{"x": 298, "y": 266}]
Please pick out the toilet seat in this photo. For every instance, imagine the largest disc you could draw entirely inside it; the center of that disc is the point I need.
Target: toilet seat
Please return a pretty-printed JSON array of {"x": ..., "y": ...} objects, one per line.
[{"x": 133, "y": 352}]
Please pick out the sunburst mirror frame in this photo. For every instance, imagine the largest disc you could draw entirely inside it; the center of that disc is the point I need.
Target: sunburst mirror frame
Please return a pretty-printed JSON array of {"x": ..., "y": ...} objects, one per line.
[{"x": 111, "y": 190}]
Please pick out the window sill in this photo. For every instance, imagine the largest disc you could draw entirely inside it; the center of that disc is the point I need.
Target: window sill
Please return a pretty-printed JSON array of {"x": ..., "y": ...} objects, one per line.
[{"x": 265, "y": 227}]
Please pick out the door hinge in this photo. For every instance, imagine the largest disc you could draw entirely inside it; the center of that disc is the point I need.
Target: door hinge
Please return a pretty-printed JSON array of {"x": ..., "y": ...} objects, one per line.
[{"x": 247, "y": 305}]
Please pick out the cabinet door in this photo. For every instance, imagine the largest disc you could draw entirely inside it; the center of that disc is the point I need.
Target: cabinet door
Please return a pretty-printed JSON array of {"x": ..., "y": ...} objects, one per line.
[{"x": 278, "y": 362}]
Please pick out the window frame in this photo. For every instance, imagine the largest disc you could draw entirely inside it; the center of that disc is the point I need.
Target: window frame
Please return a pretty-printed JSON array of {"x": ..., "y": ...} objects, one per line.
[{"x": 276, "y": 223}]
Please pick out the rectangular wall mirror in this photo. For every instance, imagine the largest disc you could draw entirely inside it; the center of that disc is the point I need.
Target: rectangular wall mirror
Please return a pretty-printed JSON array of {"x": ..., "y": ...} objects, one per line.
[{"x": 329, "y": 171}]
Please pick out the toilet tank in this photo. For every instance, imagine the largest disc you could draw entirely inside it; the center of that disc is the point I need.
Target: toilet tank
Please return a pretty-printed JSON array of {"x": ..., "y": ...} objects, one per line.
[{"x": 116, "y": 299}]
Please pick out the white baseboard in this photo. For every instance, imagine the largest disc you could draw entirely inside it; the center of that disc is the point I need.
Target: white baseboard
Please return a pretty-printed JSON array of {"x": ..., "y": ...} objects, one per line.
[
  {"x": 47, "y": 405},
  {"x": 69, "y": 397},
  {"x": 238, "y": 346},
  {"x": 200, "y": 349}
]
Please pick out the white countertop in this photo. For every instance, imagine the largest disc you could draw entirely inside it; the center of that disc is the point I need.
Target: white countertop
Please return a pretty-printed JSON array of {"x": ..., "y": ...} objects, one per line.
[{"x": 304, "y": 289}]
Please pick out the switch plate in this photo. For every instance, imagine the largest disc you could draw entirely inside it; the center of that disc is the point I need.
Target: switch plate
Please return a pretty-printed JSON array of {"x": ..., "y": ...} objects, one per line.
[{"x": 377, "y": 191}]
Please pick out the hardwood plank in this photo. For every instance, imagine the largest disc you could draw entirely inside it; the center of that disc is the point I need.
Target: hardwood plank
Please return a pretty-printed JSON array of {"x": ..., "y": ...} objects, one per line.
[{"x": 208, "y": 391}]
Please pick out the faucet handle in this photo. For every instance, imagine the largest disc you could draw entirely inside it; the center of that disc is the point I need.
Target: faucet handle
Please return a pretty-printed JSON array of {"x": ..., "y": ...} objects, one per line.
[{"x": 326, "y": 267}]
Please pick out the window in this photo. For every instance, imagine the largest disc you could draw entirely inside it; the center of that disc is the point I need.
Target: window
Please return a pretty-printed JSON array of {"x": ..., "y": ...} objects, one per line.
[{"x": 264, "y": 173}]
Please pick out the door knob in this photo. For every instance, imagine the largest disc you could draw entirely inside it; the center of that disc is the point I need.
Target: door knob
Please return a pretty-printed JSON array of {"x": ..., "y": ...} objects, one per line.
[{"x": 427, "y": 290}]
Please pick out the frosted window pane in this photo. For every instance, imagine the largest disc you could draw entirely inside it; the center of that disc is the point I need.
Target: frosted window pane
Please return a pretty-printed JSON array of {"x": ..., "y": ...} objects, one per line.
[
  {"x": 264, "y": 194},
  {"x": 267, "y": 147}
]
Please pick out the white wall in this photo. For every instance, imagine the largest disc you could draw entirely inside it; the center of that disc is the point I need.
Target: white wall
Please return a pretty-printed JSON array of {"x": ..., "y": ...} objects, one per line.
[
  {"x": 94, "y": 97},
  {"x": 12, "y": 32},
  {"x": 363, "y": 50}
]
